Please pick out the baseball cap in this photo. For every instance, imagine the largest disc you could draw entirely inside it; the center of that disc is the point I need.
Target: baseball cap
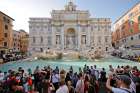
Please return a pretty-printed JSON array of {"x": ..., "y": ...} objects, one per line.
[{"x": 126, "y": 79}]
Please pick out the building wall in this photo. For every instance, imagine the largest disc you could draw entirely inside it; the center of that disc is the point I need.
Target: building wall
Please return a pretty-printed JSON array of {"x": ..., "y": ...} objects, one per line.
[
  {"x": 24, "y": 40},
  {"x": 6, "y": 32},
  {"x": 20, "y": 41},
  {"x": 16, "y": 41},
  {"x": 127, "y": 27}
]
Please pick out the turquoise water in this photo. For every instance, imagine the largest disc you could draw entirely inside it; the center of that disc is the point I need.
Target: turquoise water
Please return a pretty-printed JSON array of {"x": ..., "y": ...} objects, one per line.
[{"x": 65, "y": 64}]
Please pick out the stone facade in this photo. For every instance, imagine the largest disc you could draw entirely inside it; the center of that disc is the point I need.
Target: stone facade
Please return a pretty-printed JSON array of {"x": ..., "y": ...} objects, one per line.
[{"x": 69, "y": 29}]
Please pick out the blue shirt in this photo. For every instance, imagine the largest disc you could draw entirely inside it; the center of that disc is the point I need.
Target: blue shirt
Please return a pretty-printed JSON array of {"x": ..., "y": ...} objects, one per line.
[{"x": 120, "y": 90}]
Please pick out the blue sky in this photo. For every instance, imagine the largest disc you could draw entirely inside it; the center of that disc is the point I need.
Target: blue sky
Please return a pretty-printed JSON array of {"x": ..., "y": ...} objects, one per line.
[{"x": 21, "y": 10}]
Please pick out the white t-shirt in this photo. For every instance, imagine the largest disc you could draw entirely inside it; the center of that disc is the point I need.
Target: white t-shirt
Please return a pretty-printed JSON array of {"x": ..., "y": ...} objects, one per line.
[
  {"x": 1, "y": 76},
  {"x": 55, "y": 78},
  {"x": 63, "y": 89},
  {"x": 120, "y": 90},
  {"x": 80, "y": 86}
]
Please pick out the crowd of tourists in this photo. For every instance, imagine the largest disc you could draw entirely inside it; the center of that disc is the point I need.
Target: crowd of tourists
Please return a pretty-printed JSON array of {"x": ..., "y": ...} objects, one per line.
[{"x": 90, "y": 79}]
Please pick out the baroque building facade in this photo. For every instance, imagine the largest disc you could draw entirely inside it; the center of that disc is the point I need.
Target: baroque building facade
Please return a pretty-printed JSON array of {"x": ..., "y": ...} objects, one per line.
[{"x": 69, "y": 29}]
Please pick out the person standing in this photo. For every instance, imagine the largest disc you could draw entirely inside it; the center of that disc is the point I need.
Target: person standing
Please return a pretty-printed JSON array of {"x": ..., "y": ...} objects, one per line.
[
  {"x": 80, "y": 84},
  {"x": 123, "y": 84}
]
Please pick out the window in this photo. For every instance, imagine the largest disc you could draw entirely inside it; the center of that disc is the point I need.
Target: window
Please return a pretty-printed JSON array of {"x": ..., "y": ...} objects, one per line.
[
  {"x": 139, "y": 19},
  {"x": 139, "y": 36},
  {"x": 131, "y": 22},
  {"x": 57, "y": 39},
  {"x": 139, "y": 26},
  {"x": 49, "y": 40},
  {"x": 106, "y": 39},
  {"x": 99, "y": 39},
  {"x": 139, "y": 22},
  {"x": 4, "y": 19},
  {"x": 131, "y": 30},
  {"x": 34, "y": 40},
  {"x": 83, "y": 39},
  {"x": 5, "y": 44},
  {"x": 14, "y": 44},
  {"x": 5, "y": 35},
  {"x": 106, "y": 48},
  {"x": 123, "y": 27},
  {"x": 132, "y": 38},
  {"x": 6, "y": 27},
  {"x": 41, "y": 39},
  {"x": 41, "y": 49},
  {"x": 8, "y": 21}
]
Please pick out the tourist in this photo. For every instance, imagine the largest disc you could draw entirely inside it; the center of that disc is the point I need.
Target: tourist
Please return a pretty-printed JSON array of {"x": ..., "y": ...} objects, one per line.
[
  {"x": 47, "y": 86},
  {"x": 57, "y": 70},
  {"x": 92, "y": 70},
  {"x": 86, "y": 84},
  {"x": 16, "y": 88},
  {"x": 123, "y": 84},
  {"x": 80, "y": 84},
  {"x": 117, "y": 69},
  {"x": 71, "y": 70},
  {"x": 74, "y": 79},
  {"x": 1, "y": 88},
  {"x": 55, "y": 79},
  {"x": 29, "y": 71},
  {"x": 85, "y": 68},
  {"x": 80, "y": 70},
  {"x": 92, "y": 85},
  {"x": 36, "y": 70},
  {"x": 103, "y": 77},
  {"x": 68, "y": 78},
  {"x": 25, "y": 83},
  {"x": 1, "y": 76},
  {"x": 63, "y": 87},
  {"x": 70, "y": 87},
  {"x": 96, "y": 72}
]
